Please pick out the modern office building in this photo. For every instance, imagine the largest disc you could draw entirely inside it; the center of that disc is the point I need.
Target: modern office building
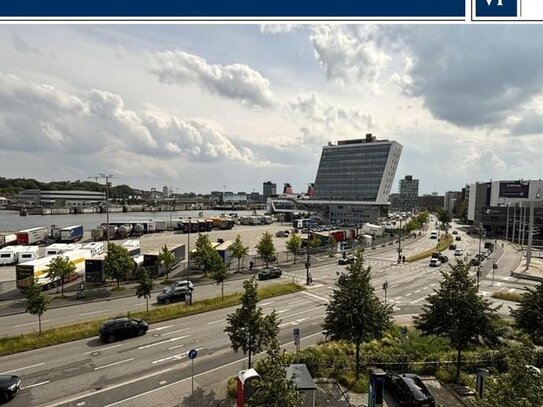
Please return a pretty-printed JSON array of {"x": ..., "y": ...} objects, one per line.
[
  {"x": 409, "y": 192},
  {"x": 502, "y": 209},
  {"x": 430, "y": 201},
  {"x": 60, "y": 198},
  {"x": 452, "y": 199},
  {"x": 269, "y": 189},
  {"x": 354, "y": 179}
]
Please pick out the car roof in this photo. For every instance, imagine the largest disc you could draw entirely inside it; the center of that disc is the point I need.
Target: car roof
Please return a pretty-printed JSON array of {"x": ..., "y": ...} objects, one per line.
[{"x": 415, "y": 384}]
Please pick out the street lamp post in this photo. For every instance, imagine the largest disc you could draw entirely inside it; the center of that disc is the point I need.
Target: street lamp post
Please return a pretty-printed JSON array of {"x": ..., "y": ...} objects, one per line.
[
  {"x": 107, "y": 178},
  {"x": 531, "y": 230},
  {"x": 479, "y": 258},
  {"x": 507, "y": 222},
  {"x": 188, "y": 250},
  {"x": 514, "y": 223},
  {"x": 307, "y": 257},
  {"x": 400, "y": 243}
]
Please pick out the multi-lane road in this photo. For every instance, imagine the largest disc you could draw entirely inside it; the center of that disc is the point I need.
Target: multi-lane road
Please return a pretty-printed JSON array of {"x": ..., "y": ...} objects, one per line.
[{"x": 154, "y": 369}]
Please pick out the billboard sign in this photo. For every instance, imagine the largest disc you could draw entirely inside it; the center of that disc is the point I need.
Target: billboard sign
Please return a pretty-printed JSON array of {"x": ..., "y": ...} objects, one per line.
[{"x": 516, "y": 189}]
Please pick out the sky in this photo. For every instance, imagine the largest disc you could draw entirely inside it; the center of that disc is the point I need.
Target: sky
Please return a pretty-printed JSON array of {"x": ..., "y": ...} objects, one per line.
[{"x": 202, "y": 107}]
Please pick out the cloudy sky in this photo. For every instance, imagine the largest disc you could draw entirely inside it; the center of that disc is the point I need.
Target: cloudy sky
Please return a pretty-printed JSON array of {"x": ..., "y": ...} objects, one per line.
[{"x": 207, "y": 107}]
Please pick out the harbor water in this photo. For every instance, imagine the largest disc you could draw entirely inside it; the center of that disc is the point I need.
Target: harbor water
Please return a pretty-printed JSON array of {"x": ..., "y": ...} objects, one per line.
[{"x": 11, "y": 221}]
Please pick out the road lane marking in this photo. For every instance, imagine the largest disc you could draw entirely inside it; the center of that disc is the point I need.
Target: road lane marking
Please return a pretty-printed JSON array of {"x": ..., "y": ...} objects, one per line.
[
  {"x": 29, "y": 323},
  {"x": 176, "y": 346},
  {"x": 417, "y": 291},
  {"x": 93, "y": 312},
  {"x": 216, "y": 322},
  {"x": 113, "y": 364},
  {"x": 23, "y": 368},
  {"x": 302, "y": 312},
  {"x": 316, "y": 296},
  {"x": 293, "y": 323},
  {"x": 408, "y": 294},
  {"x": 266, "y": 303},
  {"x": 283, "y": 310},
  {"x": 161, "y": 328},
  {"x": 35, "y": 385},
  {"x": 297, "y": 301},
  {"x": 179, "y": 356},
  {"x": 101, "y": 349},
  {"x": 162, "y": 342},
  {"x": 175, "y": 332}
]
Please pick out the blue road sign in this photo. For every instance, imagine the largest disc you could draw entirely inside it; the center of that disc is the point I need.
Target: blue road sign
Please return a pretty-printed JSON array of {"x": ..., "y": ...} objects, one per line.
[{"x": 193, "y": 353}]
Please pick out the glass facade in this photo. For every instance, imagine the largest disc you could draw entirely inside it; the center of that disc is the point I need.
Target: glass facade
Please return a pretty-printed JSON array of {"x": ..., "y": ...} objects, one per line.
[
  {"x": 409, "y": 192},
  {"x": 351, "y": 172}
]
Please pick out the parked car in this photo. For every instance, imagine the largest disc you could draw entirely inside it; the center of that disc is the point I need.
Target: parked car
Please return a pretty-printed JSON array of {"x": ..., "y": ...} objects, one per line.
[
  {"x": 409, "y": 390},
  {"x": 454, "y": 232},
  {"x": 282, "y": 233},
  {"x": 458, "y": 252},
  {"x": 121, "y": 328},
  {"x": 452, "y": 247},
  {"x": 435, "y": 262},
  {"x": 9, "y": 386},
  {"x": 173, "y": 294},
  {"x": 266, "y": 274},
  {"x": 346, "y": 260},
  {"x": 444, "y": 259},
  {"x": 183, "y": 283},
  {"x": 436, "y": 255},
  {"x": 458, "y": 238}
]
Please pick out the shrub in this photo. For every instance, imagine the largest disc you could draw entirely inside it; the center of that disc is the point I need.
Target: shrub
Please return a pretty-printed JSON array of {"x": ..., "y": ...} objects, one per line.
[
  {"x": 232, "y": 387},
  {"x": 501, "y": 295}
]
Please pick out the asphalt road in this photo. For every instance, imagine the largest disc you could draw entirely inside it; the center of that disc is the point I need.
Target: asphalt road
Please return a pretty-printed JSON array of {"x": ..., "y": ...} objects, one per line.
[{"x": 146, "y": 370}]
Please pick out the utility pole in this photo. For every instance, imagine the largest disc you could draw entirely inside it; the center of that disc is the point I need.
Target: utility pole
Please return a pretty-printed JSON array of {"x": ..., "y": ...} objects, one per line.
[
  {"x": 507, "y": 222},
  {"x": 107, "y": 178},
  {"x": 514, "y": 223},
  {"x": 188, "y": 251},
  {"x": 307, "y": 256},
  {"x": 531, "y": 230},
  {"x": 479, "y": 258},
  {"x": 400, "y": 243}
]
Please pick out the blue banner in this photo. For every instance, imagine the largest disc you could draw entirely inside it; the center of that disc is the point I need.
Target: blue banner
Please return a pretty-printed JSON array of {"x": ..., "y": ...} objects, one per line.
[{"x": 263, "y": 9}]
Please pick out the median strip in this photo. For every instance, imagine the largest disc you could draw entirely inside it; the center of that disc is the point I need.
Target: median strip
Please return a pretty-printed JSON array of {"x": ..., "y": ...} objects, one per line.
[{"x": 89, "y": 329}]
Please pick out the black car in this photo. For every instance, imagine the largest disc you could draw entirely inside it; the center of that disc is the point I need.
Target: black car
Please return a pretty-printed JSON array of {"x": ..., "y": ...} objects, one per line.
[
  {"x": 409, "y": 390},
  {"x": 173, "y": 294},
  {"x": 121, "y": 328},
  {"x": 452, "y": 247},
  {"x": 442, "y": 258},
  {"x": 346, "y": 260},
  {"x": 9, "y": 385},
  {"x": 458, "y": 238},
  {"x": 266, "y": 274}
]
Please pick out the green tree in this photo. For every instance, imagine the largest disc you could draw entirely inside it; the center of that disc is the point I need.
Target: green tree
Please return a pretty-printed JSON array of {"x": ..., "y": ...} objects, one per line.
[
  {"x": 265, "y": 247},
  {"x": 166, "y": 259},
  {"x": 333, "y": 243},
  {"x": 520, "y": 386},
  {"x": 528, "y": 315},
  {"x": 354, "y": 312},
  {"x": 274, "y": 389},
  {"x": 458, "y": 312},
  {"x": 219, "y": 271},
  {"x": 238, "y": 250},
  {"x": 248, "y": 328},
  {"x": 203, "y": 253},
  {"x": 36, "y": 302},
  {"x": 314, "y": 242},
  {"x": 117, "y": 263},
  {"x": 145, "y": 287},
  {"x": 60, "y": 267},
  {"x": 294, "y": 243}
]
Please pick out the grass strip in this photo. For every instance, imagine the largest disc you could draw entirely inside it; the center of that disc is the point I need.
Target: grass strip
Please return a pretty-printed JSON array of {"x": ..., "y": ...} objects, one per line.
[
  {"x": 89, "y": 329},
  {"x": 442, "y": 245},
  {"x": 514, "y": 296}
]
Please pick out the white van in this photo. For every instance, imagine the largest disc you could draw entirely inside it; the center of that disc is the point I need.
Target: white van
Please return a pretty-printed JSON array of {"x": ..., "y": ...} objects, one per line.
[{"x": 433, "y": 234}]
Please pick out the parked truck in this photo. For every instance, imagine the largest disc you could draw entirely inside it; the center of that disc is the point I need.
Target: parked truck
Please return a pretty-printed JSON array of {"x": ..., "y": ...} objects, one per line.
[
  {"x": 58, "y": 248},
  {"x": 31, "y": 236},
  {"x": 374, "y": 230},
  {"x": 150, "y": 260},
  {"x": 28, "y": 253},
  {"x": 7, "y": 239},
  {"x": 38, "y": 270},
  {"x": 10, "y": 255},
  {"x": 71, "y": 234}
]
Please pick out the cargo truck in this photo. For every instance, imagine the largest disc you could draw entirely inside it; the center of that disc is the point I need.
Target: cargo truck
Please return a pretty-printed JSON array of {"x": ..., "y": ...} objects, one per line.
[
  {"x": 37, "y": 270},
  {"x": 31, "y": 236},
  {"x": 8, "y": 239},
  {"x": 150, "y": 260},
  {"x": 95, "y": 248},
  {"x": 58, "y": 248},
  {"x": 71, "y": 234},
  {"x": 28, "y": 253}
]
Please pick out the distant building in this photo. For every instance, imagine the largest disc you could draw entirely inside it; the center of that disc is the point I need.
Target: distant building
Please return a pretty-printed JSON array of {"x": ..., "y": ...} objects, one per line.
[
  {"x": 60, "y": 198},
  {"x": 409, "y": 192},
  {"x": 255, "y": 197},
  {"x": 166, "y": 192},
  {"x": 430, "y": 201},
  {"x": 452, "y": 199},
  {"x": 394, "y": 201},
  {"x": 231, "y": 199},
  {"x": 269, "y": 189}
]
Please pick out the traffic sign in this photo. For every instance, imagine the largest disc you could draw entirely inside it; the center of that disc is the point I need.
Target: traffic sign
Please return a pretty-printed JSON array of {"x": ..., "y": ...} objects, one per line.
[
  {"x": 296, "y": 334},
  {"x": 193, "y": 353}
]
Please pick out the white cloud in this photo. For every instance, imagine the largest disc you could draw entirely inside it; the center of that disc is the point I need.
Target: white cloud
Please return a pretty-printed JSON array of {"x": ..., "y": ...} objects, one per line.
[
  {"x": 314, "y": 109},
  {"x": 350, "y": 55},
  {"x": 279, "y": 28},
  {"x": 236, "y": 81}
]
